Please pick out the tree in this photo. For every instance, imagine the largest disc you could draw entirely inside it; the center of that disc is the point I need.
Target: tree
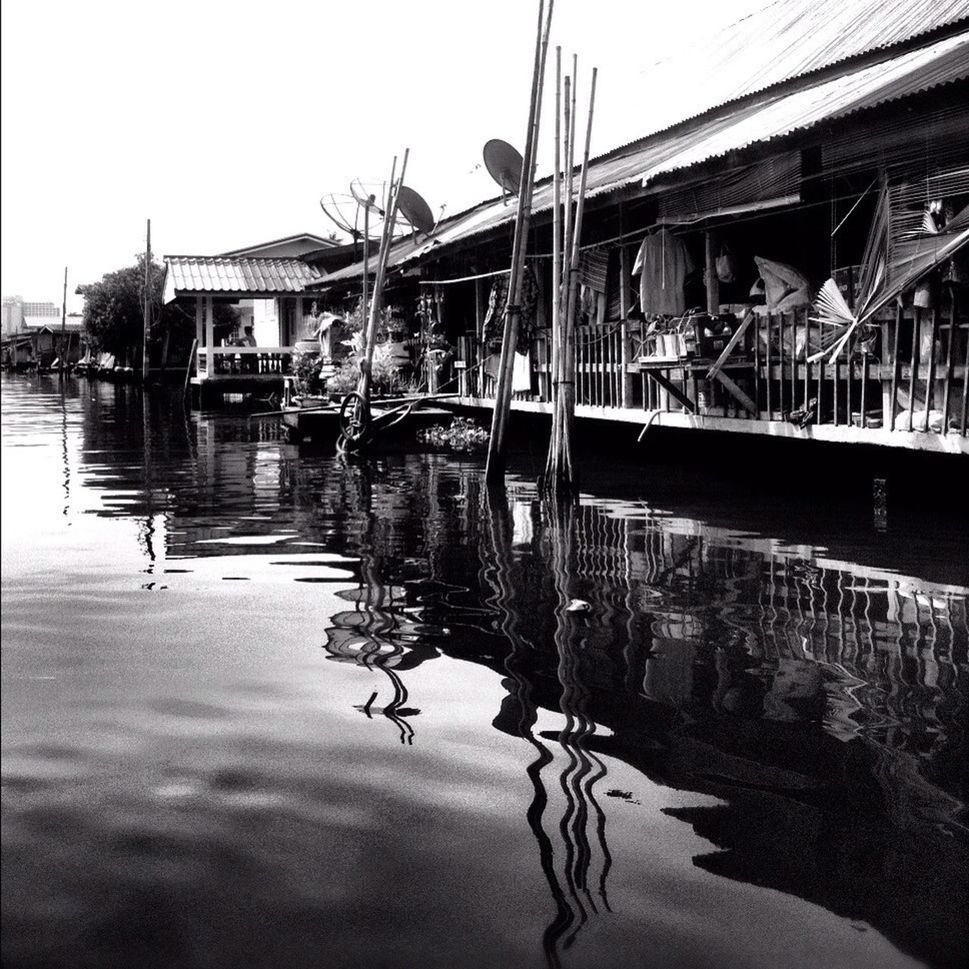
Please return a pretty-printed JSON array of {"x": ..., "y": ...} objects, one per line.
[{"x": 114, "y": 309}]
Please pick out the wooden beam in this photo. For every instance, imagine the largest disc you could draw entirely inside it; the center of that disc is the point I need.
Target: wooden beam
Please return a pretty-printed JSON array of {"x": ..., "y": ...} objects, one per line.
[
  {"x": 673, "y": 390},
  {"x": 731, "y": 387},
  {"x": 729, "y": 348}
]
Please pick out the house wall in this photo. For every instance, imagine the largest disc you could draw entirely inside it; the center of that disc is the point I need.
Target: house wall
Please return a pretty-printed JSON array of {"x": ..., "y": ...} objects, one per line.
[{"x": 265, "y": 322}]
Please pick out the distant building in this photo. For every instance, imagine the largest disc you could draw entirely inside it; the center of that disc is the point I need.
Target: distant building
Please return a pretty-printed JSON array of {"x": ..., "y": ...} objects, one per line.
[{"x": 16, "y": 311}]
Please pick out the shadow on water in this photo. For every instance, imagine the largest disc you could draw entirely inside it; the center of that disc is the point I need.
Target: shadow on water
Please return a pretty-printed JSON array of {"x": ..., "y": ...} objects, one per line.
[{"x": 817, "y": 695}]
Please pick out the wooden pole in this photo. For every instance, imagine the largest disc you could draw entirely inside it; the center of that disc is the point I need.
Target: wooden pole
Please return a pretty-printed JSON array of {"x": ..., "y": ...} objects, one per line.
[
  {"x": 557, "y": 231},
  {"x": 386, "y": 242},
  {"x": 713, "y": 283},
  {"x": 495, "y": 469},
  {"x": 366, "y": 260},
  {"x": 188, "y": 366},
  {"x": 559, "y": 478},
  {"x": 147, "y": 308},
  {"x": 64, "y": 325},
  {"x": 558, "y": 347}
]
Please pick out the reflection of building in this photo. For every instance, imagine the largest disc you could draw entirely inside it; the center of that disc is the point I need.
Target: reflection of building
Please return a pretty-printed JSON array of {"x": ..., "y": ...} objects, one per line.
[{"x": 821, "y": 701}]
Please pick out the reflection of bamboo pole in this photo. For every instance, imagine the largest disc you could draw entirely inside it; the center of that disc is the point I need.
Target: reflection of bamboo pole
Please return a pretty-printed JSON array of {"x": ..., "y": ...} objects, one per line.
[
  {"x": 495, "y": 468},
  {"x": 499, "y": 575}
]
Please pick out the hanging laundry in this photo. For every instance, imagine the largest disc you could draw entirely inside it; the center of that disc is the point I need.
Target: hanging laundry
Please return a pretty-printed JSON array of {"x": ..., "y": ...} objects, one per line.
[
  {"x": 593, "y": 269},
  {"x": 496, "y": 308},
  {"x": 494, "y": 320},
  {"x": 664, "y": 263}
]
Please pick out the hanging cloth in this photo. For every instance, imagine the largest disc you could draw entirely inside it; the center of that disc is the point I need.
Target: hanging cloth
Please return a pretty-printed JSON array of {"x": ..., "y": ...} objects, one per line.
[
  {"x": 494, "y": 320},
  {"x": 593, "y": 269},
  {"x": 664, "y": 263}
]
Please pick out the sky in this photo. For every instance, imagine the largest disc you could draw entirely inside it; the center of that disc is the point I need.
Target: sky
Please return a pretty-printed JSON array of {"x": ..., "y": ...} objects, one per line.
[{"x": 225, "y": 122}]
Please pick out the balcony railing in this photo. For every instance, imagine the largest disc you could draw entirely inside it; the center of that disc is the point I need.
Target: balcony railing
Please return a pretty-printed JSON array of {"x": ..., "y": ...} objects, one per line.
[
  {"x": 912, "y": 377},
  {"x": 243, "y": 361}
]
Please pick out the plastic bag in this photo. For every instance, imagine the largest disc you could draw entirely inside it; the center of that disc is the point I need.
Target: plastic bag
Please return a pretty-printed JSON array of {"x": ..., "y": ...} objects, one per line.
[
  {"x": 785, "y": 287},
  {"x": 725, "y": 266}
]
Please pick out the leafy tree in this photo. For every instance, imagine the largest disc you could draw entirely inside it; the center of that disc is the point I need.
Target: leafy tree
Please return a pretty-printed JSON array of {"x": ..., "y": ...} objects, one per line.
[{"x": 114, "y": 308}]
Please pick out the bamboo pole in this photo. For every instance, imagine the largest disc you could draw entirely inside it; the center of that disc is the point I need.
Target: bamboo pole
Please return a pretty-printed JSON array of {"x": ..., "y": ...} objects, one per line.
[
  {"x": 386, "y": 242},
  {"x": 559, "y": 479},
  {"x": 556, "y": 257},
  {"x": 495, "y": 468}
]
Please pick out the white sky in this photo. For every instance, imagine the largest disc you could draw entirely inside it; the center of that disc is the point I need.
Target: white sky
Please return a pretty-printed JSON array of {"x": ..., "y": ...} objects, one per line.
[{"x": 224, "y": 122}]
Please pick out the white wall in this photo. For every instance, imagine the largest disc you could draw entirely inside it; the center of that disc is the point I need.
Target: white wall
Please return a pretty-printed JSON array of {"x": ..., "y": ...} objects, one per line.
[{"x": 265, "y": 322}]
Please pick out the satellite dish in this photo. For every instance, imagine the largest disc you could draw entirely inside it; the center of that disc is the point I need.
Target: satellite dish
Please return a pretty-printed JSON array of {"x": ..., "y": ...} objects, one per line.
[
  {"x": 504, "y": 165},
  {"x": 415, "y": 210}
]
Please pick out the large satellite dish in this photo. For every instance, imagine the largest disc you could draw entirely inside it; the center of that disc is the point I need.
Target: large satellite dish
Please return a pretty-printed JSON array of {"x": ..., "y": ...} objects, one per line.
[
  {"x": 504, "y": 165},
  {"x": 415, "y": 210},
  {"x": 362, "y": 205}
]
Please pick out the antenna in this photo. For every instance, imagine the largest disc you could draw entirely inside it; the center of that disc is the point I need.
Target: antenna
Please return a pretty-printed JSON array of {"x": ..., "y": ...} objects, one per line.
[{"x": 504, "y": 165}]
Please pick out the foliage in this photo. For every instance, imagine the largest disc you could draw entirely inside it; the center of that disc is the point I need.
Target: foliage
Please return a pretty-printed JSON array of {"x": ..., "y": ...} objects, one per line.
[
  {"x": 384, "y": 373},
  {"x": 463, "y": 434},
  {"x": 306, "y": 368},
  {"x": 114, "y": 308}
]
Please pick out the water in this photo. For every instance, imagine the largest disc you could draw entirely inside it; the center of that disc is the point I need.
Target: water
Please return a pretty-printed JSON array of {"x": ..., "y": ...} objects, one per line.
[{"x": 263, "y": 708}]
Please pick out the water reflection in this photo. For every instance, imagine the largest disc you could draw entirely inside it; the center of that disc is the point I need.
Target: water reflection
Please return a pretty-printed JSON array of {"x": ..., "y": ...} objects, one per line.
[{"x": 813, "y": 705}]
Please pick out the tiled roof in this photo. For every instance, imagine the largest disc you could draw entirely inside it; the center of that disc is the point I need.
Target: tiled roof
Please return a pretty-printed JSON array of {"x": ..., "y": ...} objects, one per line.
[{"x": 249, "y": 275}]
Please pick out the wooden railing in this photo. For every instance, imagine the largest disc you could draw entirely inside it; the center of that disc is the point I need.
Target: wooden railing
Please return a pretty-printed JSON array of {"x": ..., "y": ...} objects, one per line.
[
  {"x": 919, "y": 355},
  {"x": 244, "y": 361}
]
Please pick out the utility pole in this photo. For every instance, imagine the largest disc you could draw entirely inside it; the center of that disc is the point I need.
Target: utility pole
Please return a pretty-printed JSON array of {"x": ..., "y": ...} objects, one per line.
[
  {"x": 64, "y": 347},
  {"x": 147, "y": 309}
]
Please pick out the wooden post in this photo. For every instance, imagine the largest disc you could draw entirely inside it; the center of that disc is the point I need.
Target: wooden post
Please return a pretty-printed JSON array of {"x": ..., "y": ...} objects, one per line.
[
  {"x": 188, "y": 366},
  {"x": 895, "y": 365},
  {"x": 627, "y": 377},
  {"x": 495, "y": 469},
  {"x": 147, "y": 308},
  {"x": 209, "y": 337},
  {"x": 947, "y": 387},
  {"x": 366, "y": 261},
  {"x": 559, "y": 480},
  {"x": 386, "y": 242},
  {"x": 930, "y": 377},
  {"x": 713, "y": 283},
  {"x": 64, "y": 325},
  {"x": 912, "y": 373},
  {"x": 557, "y": 244}
]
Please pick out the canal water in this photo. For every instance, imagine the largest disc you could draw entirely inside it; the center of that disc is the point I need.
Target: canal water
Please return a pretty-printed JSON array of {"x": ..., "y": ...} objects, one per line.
[{"x": 271, "y": 708}]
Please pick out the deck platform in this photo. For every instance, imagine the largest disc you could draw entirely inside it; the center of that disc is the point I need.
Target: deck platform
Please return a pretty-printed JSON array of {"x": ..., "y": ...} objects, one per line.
[{"x": 951, "y": 443}]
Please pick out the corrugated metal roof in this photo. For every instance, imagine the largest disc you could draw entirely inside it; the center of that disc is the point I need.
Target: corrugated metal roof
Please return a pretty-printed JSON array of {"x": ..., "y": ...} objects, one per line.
[
  {"x": 222, "y": 274},
  {"x": 786, "y": 39},
  {"x": 32, "y": 322},
  {"x": 764, "y": 119}
]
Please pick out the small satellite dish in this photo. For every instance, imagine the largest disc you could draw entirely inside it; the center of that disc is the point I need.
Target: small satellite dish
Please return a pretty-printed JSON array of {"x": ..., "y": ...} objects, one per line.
[
  {"x": 415, "y": 210},
  {"x": 504, "y": 165}
]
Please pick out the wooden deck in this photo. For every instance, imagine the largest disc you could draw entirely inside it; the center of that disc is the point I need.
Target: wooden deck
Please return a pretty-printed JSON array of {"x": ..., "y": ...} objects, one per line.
[{"x": 951, "y": 443}]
